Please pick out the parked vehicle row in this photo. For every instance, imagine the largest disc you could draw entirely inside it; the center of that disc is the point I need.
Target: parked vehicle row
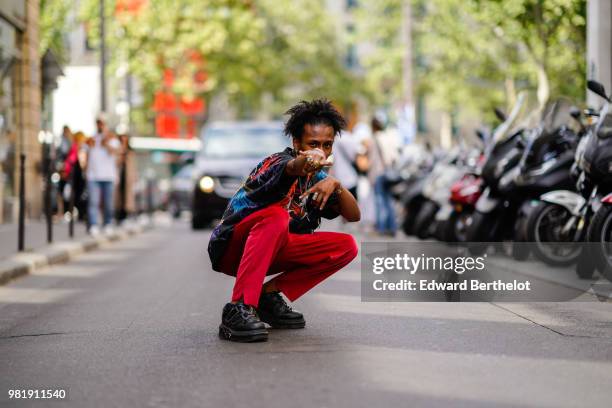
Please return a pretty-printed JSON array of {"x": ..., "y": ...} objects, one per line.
[{"x": 541, "y": 185}]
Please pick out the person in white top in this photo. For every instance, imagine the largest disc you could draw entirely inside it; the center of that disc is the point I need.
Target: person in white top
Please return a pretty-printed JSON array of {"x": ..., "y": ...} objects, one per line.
[
  {"x": 347, "y": 152},
  {"x": 101, "y": 174}
]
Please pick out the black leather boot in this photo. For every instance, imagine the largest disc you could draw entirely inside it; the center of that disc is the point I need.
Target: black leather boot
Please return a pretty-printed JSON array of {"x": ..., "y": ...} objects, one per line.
[
  {"x": 274, "y": 310},
  {"x": 239, "y": 322}
]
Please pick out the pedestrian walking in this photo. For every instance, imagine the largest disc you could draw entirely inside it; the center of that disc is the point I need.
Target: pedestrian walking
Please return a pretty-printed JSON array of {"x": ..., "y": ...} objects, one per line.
[
  {"x": 62, "y": 152},
  {"x": 379, "y": 175},
  {"x": 101, "y": 175},
  {"x": 349, "y": 161},
  {"x": 72, "y": 175},
  {"x": 268, "y": 227}
]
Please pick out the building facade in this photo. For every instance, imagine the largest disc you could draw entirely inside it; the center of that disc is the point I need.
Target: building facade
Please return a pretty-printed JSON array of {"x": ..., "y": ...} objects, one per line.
[{"x": 20, "y": 106}]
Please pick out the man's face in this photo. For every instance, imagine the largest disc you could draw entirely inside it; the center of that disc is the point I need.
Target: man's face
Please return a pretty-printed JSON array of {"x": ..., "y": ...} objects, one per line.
[
  {"x": 100, "y": 125},
  {"x": 319, "y": 136}
]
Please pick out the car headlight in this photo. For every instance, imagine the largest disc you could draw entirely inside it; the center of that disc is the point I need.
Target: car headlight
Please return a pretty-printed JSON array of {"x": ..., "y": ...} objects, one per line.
[{"x": 206, "y": 184}]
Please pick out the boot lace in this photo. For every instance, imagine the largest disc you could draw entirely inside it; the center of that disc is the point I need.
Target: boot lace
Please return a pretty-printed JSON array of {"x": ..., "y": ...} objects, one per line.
[{"x": 279, "y": 302}]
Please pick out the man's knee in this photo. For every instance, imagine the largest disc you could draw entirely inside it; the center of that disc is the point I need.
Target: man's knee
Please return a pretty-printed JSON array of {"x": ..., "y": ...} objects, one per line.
[
  {"x": 347, "y": 246},
  {"x": 275, "y": 219}
]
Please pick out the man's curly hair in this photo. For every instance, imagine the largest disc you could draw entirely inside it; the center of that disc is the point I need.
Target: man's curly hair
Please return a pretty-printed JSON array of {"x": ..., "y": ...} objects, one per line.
[{"x": 315, "y": 112}]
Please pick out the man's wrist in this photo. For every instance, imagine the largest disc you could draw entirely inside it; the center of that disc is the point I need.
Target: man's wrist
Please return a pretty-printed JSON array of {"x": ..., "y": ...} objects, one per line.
[{"x": 337, "y": 186}]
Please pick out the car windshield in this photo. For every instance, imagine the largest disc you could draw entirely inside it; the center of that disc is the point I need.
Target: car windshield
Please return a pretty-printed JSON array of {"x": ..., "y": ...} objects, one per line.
[
  {"x": 184, "y": 172},
  {"x": 242, "y": 142}
]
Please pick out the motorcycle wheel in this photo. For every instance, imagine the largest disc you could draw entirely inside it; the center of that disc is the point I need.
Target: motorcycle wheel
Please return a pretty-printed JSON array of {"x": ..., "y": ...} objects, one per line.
[
  {"x": 423, "y": 222},
  {"x": 477, "y": 233},
  {"x": 544, "y": 226},
  {"x": 410, "y": 213},
  {"x": 447, "y": 228},
  {"x": 462, "y": 222},
  {"x": 599, "y": 238},
  {"x": 519, "y": 249}
]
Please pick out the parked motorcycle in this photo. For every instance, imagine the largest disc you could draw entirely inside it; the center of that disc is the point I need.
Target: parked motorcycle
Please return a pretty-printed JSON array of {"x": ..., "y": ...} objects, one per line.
[
  {"x": 436, "y": 193},
  {"x": 600, "y": 237},
  {"x": 539, "y": 161},
  {"x": 463, "y": 197},
  {"x": 410, "y": 191},
  {"x": 597, "y": 165},
  {"x": 551, "y": 221},
  {"x": 569, "y": 216}
]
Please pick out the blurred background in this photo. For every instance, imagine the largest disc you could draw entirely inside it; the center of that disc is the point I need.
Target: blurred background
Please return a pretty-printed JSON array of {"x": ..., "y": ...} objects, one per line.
[{"x": 430, "y": 72}]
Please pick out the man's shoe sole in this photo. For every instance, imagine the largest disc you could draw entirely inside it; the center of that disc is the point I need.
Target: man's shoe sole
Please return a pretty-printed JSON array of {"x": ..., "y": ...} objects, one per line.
[
  {"x": 242, "y": 336},
  {"x": 283, "y": 324}
]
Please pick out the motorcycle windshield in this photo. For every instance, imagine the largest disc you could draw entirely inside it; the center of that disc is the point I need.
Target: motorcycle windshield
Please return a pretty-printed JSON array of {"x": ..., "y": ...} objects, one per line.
[
  {"x": 545, "y": 142},
  {"x": 504, "y": 130},
  {"x": 557, "y": 115},
  {"x": 604, "y": 125}
]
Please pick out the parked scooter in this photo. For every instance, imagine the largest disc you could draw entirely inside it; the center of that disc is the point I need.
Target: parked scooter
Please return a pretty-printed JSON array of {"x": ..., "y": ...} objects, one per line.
[
  {"x": 436, "y": 193},
  {"x": 549, "y": 225},
  {"x": 545, "y": 156},
  {"x": 411, "y": 197},
  {"x": 600, "y": 237},
  {"x": 573, "y": 213},
  {"x": 501, "y": 154},
  {"x": 463, "y": 197},
  {"x": 597, "y": 165}
]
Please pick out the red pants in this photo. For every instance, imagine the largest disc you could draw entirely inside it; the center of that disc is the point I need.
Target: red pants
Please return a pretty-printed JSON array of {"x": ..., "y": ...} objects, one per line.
[{"x": 262, "y": 245}]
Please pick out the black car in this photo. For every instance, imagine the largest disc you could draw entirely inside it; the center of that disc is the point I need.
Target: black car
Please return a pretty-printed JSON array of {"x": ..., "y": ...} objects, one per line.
[
  {"x": 229, "y": 152},
  {"x": 181, "y": 189}
]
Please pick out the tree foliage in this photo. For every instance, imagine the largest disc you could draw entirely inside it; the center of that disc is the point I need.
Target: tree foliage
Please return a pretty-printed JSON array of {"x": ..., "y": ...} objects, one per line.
[
  {"x": 248, "y": 49},
  {"x": 53, "y": 25},
  {"x": 471, "y": 54}
]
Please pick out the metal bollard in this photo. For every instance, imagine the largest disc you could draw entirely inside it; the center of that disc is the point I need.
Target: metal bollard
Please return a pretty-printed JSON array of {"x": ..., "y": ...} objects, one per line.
[
  {"x": 150, "y": 197},
  {"x": 48, "y": 162},
  {"x": 21, "y": 230}
]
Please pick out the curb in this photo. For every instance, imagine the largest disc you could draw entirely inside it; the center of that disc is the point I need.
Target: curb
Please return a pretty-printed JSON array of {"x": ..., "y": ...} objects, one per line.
[{"x": 24, "y": 263}]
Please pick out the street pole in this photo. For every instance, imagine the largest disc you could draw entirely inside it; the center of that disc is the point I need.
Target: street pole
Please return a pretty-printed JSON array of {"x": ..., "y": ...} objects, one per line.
[
  {"x": 150, "y": 197},
  {"x": 21, "y": 230},
  {"x": 47, "y": 172},
  {"x": 102, "y": 58},
  {"x": 407, "y": 122}
]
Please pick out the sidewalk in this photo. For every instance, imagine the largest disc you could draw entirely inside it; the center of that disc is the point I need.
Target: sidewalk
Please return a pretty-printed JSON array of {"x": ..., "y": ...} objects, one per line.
[
  {"x": 35, "y": 235},
  {"x": 39, "y": 254}
]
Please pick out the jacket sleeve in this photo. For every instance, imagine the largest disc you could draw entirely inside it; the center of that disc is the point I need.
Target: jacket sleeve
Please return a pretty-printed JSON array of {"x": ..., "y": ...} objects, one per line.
[{"x": 269, "y": 178}]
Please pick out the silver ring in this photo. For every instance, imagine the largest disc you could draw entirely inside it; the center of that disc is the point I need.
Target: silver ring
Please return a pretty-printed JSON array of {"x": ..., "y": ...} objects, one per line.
[{"x": 314, "y": 196}]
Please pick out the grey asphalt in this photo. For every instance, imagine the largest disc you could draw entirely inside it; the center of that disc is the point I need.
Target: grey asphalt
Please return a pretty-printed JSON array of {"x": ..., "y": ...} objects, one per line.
[{"x": 135, "y": 324}]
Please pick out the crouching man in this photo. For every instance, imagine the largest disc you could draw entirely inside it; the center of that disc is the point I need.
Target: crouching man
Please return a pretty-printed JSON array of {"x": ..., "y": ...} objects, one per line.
[{"x": 268, "y": 228}]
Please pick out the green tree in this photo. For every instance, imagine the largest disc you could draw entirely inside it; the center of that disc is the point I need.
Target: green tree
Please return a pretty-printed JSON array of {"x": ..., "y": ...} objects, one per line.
[
  {"x": 248, "y": 49},
  {"x": 53, "y": 24},
  {"x": 472, "y": 54}
]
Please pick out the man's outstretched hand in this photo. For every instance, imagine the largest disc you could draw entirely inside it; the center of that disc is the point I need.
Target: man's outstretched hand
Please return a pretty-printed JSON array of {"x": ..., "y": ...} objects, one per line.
[
  {"x": 308, "y": 162},
  {"x": 315, "y": 160},
  {"x": 322, "y": 191}
]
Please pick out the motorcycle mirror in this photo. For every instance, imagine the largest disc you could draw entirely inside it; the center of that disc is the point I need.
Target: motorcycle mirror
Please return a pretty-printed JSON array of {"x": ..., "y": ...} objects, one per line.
[
  {"x": 575, "y": 113},
  {"x": 597, "y": 88},
  {"x": 500, "y": 114}
]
